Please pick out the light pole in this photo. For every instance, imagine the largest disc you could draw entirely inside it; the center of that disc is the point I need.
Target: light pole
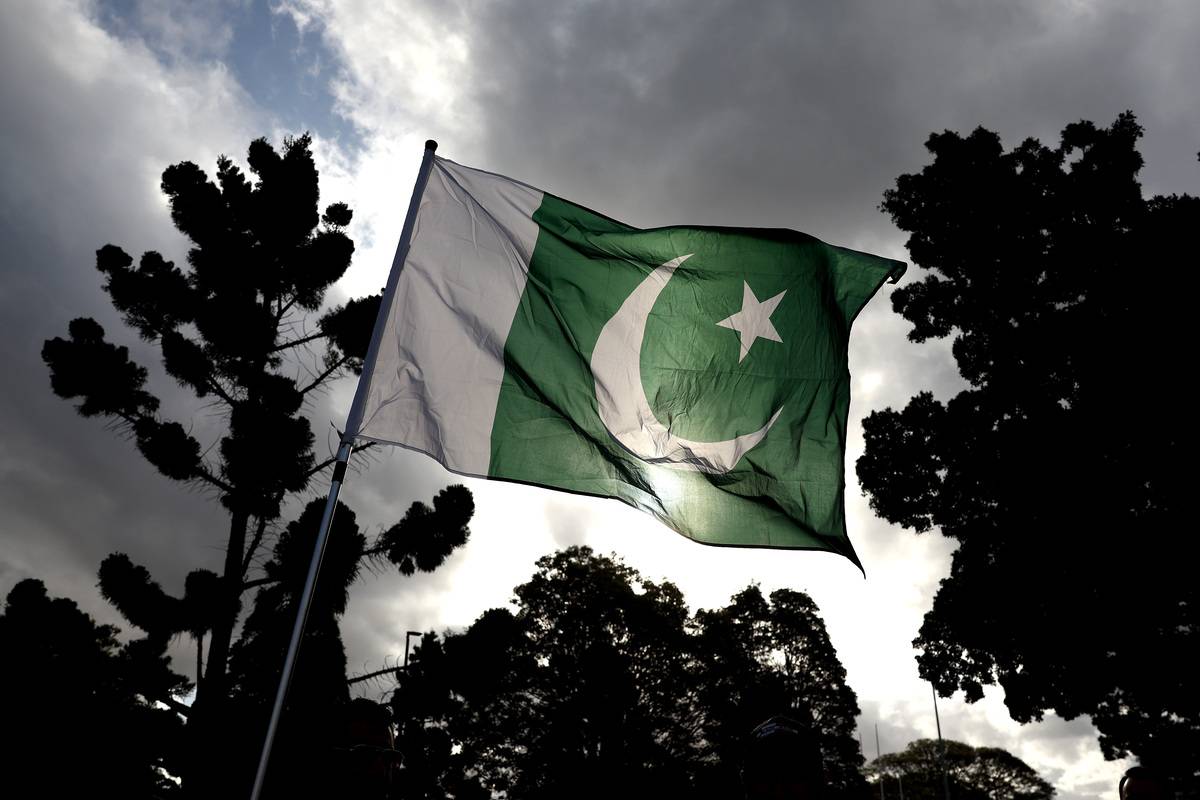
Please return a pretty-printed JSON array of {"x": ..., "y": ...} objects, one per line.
[
  {"x": 941, "y": 745},
  {"x": 407, "y": 637},
  {"x": 881, "y": 797}
]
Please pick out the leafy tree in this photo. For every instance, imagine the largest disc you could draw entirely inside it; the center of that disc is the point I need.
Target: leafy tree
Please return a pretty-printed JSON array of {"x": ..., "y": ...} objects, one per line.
[
  {"x": 233, "y": 328},
  {"x": 318, "y": 689},
  {"x": 973, "y": 773},
  {"x": 1057, "y": 471},
  {"x": 602, "y": 684},
  {"x": 762, "y": 658},
  {"x": 454, "y": 692},
  {"x": 319, "y": 693},
  {"x": 598, "y": 708},
  {"x": 75, "y": 715}
]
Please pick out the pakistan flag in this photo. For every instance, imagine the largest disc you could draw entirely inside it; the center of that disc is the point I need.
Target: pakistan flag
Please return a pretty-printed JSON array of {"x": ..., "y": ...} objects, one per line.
[{"x": 696, "y": 373}]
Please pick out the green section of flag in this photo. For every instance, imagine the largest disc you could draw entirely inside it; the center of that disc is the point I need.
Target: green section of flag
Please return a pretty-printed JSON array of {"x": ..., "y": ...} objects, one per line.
[{"x": 785, "y": 492}]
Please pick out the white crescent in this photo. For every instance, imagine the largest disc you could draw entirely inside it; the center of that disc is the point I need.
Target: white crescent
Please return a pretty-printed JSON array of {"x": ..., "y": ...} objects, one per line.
[{"x": 624, "y": 409}]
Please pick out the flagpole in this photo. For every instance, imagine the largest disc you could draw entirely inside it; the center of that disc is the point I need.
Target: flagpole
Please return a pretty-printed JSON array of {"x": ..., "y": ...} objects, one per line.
[{"x": 353, "y": 422}]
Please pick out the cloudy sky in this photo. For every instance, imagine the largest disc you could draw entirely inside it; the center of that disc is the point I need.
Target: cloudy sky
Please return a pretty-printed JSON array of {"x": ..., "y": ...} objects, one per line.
[{"x": 771, "y": 114}]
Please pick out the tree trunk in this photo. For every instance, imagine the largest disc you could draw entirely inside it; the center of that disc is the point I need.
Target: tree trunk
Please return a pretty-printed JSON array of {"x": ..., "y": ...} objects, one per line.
[
  {"x": 199, "y": 660},
  {"x": 222, "y": 633},
  {"x": 208, "y": 773}
]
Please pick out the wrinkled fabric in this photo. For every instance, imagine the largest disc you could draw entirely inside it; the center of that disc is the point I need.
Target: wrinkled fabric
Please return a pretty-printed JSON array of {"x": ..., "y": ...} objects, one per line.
[{"x": 696, "y": 373}]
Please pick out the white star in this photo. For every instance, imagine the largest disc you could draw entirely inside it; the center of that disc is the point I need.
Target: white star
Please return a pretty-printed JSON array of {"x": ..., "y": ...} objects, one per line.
[{"x": 753, "y": 322}]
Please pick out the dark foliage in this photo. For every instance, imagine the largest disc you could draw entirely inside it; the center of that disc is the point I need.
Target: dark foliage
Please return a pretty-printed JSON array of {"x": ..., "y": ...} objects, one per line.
[
  {"x": 425, "y": 536},
  {"x": 972, "y": 773},
  {"x": 344, "y": 326},
  {"x": 319, "y": 692},
  {"x": 602, "y": 685},
  {"x": 1058, "y": 471},
  {"x": 265, "y": 635},
  {"x": 235, "y": 326},
  {"x": 77, "y": 706},
  {"x": 781, "y": 661},
  {"x": 225, "y": 324},
  {"x": 140, "y": 600}
]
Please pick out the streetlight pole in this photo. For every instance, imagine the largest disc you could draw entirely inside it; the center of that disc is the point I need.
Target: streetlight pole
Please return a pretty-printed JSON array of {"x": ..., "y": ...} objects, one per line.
[
  {"x": 880, "y": 770},
  {"x": 408, "y": 636},
  {"x": 941, "y": 745}
]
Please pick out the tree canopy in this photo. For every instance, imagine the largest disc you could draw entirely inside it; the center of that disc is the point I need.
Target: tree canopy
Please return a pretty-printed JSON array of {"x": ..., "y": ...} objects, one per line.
[
  {"x": 245, "y": 327},
  {"x": 972, "y": 773},
  {"x": 74, "y": 706},
  {"x": 603, "y": 684},
  {"x": 1057, "y": 471}
]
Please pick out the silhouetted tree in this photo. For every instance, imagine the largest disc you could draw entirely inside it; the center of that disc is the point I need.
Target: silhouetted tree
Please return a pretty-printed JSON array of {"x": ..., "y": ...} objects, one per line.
[
  {"x": 457, "y": 691},
  {"x": 233, "y": 328},
  {"x": 1058, "y": 471},
  {"x": 602, "y": 684},
  {"x": 598, "y": 707},
  {"x": 761, "y": 658},
  {"x": 75, "y": 716},
  {"x": 319, "y": 690},
  {"x": 973, "y": 773}
]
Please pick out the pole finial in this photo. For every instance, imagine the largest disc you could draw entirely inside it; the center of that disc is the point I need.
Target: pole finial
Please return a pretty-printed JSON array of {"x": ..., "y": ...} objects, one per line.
[{"x": 430, "y": 145}]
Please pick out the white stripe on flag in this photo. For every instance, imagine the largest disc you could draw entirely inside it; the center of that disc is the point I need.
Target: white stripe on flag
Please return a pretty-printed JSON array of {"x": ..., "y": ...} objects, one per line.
[{"x": 437, "y": 374}]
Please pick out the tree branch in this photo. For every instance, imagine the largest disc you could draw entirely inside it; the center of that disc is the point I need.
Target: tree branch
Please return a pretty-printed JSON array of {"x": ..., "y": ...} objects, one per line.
[
  {"x": 375, "y": 674},
  {"x": 333, "y": 460},
  {"x": 258, "y": 582},
  {"x": 295, "y": 342},
  {"x": 254, "y": 543},
  {"x": 219, "y": 390},
  {"x": 199, "y": 660},
  {"x": 283, "y": 308},
  {"x": 321, "y": 378},
  {"x": 327, "y": 462},
  {"x": 174, "y": 705},
  {"x": 203, "y": 474}
]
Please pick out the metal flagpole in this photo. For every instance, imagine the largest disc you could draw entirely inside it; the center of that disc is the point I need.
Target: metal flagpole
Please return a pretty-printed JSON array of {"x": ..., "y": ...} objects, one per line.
[
  {"x": 353, "y": 422},
  {"x": 941, "y": 745}
]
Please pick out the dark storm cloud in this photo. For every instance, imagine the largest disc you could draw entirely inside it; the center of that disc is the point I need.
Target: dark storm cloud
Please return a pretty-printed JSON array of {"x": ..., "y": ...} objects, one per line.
[
  {"x": 89, "y": 123},
  {"x": 801, "y": 114},
  {"x": 98, "y": 100}
]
